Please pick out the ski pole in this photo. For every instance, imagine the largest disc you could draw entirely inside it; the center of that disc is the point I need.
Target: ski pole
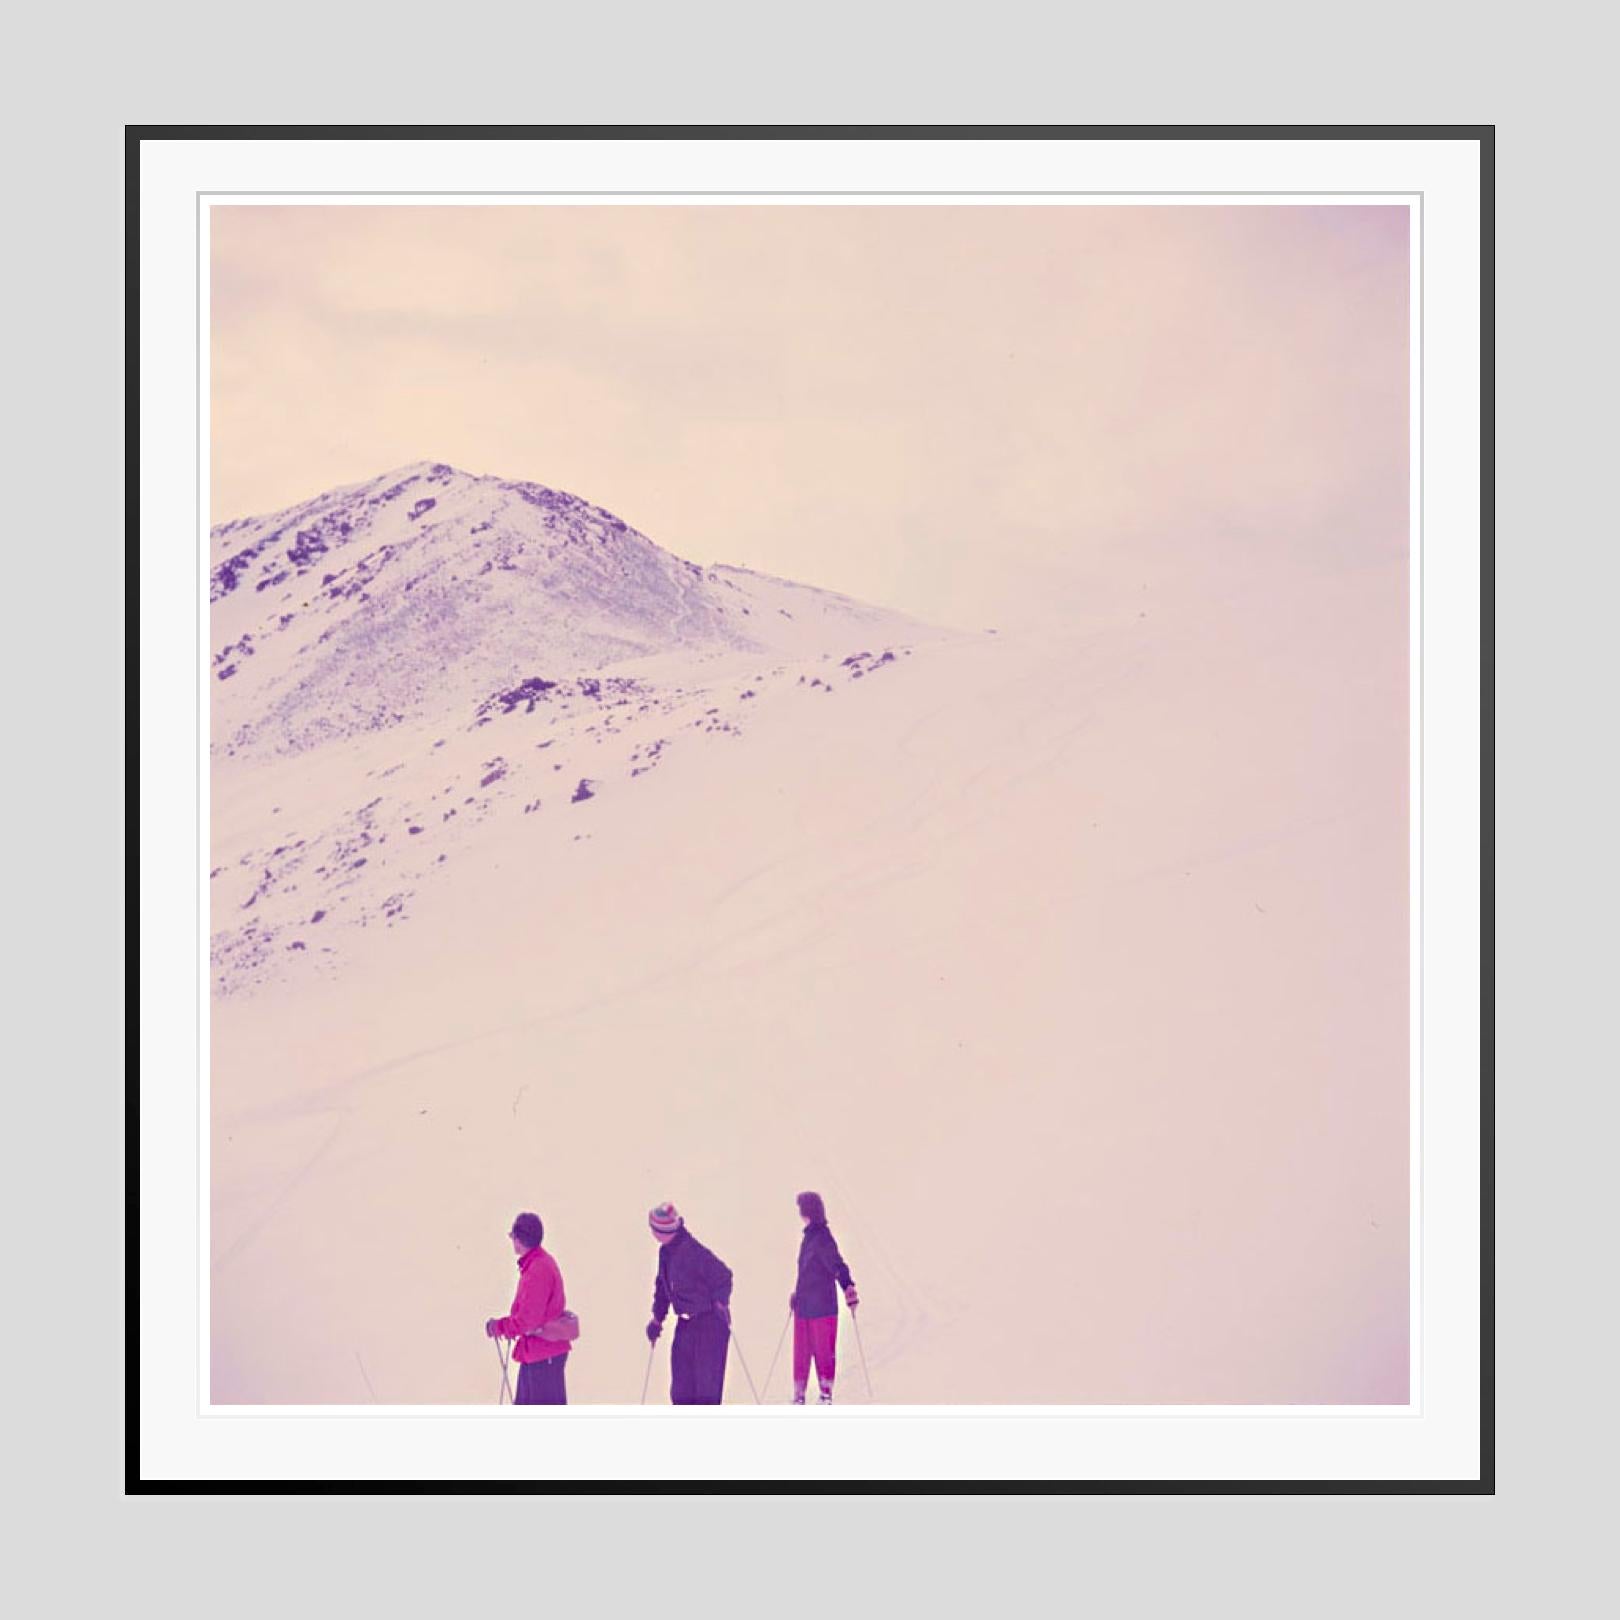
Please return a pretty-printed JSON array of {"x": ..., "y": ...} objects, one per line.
[
  {"x": 855, "y": 1317},
  {"x": 648, "y": 1378},
  {"x": 506, "y": 1388},
  {"x": 742, "y": 1360},
  {"x": 766, "y": 1387}
]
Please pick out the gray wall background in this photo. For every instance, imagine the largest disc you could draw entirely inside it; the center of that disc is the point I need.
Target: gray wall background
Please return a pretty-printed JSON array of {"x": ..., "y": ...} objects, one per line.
[{"x": 1538, "y": 75}]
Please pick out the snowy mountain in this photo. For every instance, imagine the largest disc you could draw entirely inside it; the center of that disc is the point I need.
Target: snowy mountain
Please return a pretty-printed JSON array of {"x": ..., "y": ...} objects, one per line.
[
  {"x": 368, "y": 606},
  {"x": 426, "y": 651}
]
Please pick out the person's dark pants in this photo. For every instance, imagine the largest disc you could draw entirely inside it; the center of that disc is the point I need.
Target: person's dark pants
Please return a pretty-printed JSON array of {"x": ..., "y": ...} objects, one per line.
[
  {"x": 540, "y": 1383},
  {"x": 697, "y": 1361}
]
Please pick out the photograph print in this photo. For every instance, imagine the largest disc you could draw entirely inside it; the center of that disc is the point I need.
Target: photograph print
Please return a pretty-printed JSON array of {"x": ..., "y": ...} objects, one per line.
[{"x": 809, "y": 803}]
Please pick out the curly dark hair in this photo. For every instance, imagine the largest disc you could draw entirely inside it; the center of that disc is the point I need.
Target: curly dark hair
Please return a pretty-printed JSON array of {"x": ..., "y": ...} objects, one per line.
[
  {"x": 810, "y": 1204},
  {"x": 529, "y": 1230}
]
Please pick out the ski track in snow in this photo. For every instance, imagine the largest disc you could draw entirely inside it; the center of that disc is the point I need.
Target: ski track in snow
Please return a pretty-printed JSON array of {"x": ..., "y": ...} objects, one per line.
[{"x": 244, "y": 1239}]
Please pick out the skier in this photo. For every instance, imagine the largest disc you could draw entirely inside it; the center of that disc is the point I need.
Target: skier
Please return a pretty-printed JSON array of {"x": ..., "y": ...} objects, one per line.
[
  {"x": 697, "y": 1286},
  {"x": 539, "y": 1303},
  {"x": 814, "y": 1301}
]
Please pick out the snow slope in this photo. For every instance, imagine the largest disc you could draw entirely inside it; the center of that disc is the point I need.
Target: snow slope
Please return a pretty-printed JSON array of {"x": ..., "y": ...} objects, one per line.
[
  {"x": 1069, "y": 968},
  {"x": 398, "y": 661}
]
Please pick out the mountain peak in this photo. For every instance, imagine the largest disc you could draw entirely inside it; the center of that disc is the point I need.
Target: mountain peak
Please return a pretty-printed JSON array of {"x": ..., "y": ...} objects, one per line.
[
  {"x": 422, "y": 469},
  {"x": 376, "y": 604}
]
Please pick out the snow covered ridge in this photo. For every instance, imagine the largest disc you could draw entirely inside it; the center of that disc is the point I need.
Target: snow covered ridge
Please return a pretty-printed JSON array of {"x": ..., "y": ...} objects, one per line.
[
  {"x": 371, "y": 605},
  {"x": 400, "y": 666}
]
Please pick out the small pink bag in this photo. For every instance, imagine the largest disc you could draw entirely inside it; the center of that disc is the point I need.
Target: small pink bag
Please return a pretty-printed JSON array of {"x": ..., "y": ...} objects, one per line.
[{"x": 564, "y": 1327}]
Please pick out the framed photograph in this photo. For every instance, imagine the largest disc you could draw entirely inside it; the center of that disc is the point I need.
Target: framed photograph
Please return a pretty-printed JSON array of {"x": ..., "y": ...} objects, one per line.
[{"x": 812, "y": 809}]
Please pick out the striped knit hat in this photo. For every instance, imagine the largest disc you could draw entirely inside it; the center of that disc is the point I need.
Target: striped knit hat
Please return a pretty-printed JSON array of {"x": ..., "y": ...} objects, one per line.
[{"x": 665, "y": 1219}]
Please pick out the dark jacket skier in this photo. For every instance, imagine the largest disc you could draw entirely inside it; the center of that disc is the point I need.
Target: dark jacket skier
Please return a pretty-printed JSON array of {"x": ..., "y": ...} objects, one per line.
[
  {"x": 696, "y": 1285},
  {"x": 814, "y": 1300}
]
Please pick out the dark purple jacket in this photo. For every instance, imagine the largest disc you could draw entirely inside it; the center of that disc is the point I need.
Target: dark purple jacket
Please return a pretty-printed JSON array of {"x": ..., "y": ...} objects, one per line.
[
  {"x": 690, "y": 1278},
  {"x": 820, "y": 1265}
]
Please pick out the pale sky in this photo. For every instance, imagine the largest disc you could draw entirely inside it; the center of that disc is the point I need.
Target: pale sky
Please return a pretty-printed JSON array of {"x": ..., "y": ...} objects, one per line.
[{"x": 974, "y": 414}]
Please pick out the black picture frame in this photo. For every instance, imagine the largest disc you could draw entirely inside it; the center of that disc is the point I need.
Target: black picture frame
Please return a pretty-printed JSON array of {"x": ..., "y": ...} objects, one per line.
[{"x": 1484, "y": 135}]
